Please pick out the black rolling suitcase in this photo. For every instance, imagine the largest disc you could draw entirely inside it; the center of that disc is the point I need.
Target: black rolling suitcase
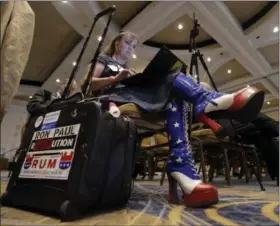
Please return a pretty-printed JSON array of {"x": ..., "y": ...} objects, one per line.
[{"x": 76, "y": 157}]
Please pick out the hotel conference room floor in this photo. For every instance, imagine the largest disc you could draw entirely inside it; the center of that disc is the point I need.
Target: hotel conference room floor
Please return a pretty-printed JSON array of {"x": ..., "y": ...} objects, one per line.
[{"x": 240, "y": 204}]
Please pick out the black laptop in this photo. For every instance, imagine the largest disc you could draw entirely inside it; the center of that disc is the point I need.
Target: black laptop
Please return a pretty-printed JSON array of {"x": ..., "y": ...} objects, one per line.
[{"x": 163, "y": 63}]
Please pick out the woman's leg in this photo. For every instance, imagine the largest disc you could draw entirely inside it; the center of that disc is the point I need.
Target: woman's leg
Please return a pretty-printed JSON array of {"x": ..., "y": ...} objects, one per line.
[
  {"x": 243, "y": 105},
  {"x": 180, "y": 164}
]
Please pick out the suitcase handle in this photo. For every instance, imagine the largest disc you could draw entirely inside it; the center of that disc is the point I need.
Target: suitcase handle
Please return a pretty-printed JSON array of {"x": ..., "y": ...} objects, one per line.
[
  {"x": 61, "y": 103},
  {"x": 66, "y": 91}
]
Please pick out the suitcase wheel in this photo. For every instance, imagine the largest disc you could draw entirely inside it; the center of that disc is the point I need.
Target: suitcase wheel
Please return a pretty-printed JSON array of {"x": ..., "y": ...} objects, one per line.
[{"x": 68, "y": 212}]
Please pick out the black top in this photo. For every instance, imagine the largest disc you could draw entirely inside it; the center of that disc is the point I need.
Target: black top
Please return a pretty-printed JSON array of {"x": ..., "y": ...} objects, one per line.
[{"x": 112, "y": 67}]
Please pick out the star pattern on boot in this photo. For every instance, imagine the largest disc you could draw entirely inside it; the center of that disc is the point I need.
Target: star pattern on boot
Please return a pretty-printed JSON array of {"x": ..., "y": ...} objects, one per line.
[
  {"x": 176, "y": 125},
  {"x": 179, "y": 141},
  {"x": 170, "y": 105},
  {"x": 179, "y": 160}
]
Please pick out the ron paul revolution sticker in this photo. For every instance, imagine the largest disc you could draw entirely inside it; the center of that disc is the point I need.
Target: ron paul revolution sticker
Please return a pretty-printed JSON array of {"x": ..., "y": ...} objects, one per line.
[{"x": 51, "y": 153}]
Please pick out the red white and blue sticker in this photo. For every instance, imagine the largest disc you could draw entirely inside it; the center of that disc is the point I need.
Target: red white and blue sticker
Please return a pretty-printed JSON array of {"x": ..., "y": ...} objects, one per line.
[
  {"x": 51, "y": 153},
  {"x": 50, "y": 120}
]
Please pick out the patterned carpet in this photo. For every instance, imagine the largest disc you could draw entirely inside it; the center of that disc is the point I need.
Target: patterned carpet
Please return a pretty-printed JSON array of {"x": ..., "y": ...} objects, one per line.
[{"x": 148, "y": 206}]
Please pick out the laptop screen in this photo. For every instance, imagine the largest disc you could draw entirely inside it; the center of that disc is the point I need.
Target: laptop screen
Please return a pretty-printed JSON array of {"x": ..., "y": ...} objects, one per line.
[{"x": 163, "y": 63}]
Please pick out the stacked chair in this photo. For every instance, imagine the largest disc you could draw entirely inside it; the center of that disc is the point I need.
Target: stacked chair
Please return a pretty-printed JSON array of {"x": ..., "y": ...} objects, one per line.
[{"x": 208, "y": 150}]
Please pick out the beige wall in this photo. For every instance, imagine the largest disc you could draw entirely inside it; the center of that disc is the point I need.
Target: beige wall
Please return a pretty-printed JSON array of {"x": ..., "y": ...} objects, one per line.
[{"x": 274, "y": 115}]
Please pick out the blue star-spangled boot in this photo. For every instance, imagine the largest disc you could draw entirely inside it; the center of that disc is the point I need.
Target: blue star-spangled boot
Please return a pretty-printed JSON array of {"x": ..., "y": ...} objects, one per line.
[
  {"x": 180, "y": 164},
  {"x": 243, "y": 105}
]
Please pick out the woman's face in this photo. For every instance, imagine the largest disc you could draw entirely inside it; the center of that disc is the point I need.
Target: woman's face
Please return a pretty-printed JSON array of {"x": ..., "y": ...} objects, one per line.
[{"x": 125, "y": 48}]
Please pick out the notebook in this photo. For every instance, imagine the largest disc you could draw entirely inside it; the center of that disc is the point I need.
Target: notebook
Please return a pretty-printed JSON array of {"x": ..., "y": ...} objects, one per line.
[{"x": 163, "y": 63}]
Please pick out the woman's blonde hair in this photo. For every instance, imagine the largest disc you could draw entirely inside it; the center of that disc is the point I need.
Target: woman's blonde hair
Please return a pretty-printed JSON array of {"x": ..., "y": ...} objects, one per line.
[{"x": 111, "y": 48}]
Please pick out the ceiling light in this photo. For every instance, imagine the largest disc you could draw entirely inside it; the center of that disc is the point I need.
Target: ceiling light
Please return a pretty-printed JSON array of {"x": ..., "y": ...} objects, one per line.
[
  {"x": 208, "y": 59},
  {"x": 57, "y": 80},
  {"x": 228, "y": 71},
  {"x": 268, "y": 102},
  {"x": 134, "y": 56},
  {"x": 276, "y": 29},
  {"x": 30, "y": 97},
  {"x": 64, "y": 1},
  {"x": 74, "y": 63},
  {"x": 99, "y": 38},
  {"x": 180, "y": 26}
]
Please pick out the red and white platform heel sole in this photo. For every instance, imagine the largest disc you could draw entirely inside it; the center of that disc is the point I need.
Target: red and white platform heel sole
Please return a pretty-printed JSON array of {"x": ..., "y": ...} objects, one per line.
[
  {"x": 203, "y": 195},
  {"x": 246, "y": 106}
]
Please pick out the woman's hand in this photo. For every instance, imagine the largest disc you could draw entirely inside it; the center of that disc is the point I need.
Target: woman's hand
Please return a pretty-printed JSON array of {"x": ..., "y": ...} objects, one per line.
[
  {"x": 125, "y": 73},
  {"x": 132, "y": 72}
]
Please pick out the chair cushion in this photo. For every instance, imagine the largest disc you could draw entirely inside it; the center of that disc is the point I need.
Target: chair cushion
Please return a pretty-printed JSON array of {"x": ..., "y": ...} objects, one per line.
[
  {"x": 144, "y": 121},
  {"x": 203, "y": 132},
  {"x": 208, "y": 135}
]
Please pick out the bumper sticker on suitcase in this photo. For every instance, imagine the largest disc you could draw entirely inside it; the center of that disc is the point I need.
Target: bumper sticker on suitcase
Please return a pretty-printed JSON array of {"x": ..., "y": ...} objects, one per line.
[
  {"x": 51, "y": 153},
  {"x": 50, "y": 120},
  {"x": 38, "y": 121}
]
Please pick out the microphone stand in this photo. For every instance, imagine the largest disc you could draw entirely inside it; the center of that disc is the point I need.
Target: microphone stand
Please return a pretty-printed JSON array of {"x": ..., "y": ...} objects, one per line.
[{"x": 196, "y": 55}]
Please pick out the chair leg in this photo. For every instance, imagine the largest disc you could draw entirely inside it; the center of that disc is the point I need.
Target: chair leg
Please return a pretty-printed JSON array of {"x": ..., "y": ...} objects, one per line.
[
  {"x": 202, "y": 160},
  {"x": 146, "y": 168},
  {"x": 163, "y": 175},
  {"x": 258, "y": 164},
  {"x": 241, "y": 173},
  {"x": 227, "y": 169},
  {"x": 245, "y": 166},
  {"x": 199, "y": 169},
  {"x": 211, "y": 172},
  {"x": 231, "y": 168},
  {"x": 258, "y": 178},
  {"x": 150, "y": 167}
]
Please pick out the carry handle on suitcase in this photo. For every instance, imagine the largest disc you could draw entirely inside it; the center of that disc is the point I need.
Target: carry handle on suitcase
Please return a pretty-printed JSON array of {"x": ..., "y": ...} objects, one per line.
[
  {"x": 64, "y": 101},
  {"x": 110, "y": 10}
]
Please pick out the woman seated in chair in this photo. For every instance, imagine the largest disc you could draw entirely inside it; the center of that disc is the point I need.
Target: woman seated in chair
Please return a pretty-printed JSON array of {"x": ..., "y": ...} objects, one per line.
[{"x": 167, "y": 96}]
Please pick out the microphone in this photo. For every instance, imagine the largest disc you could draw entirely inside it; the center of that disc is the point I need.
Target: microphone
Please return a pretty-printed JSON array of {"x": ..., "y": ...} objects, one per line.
[{"x": 105, "y": 11}]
